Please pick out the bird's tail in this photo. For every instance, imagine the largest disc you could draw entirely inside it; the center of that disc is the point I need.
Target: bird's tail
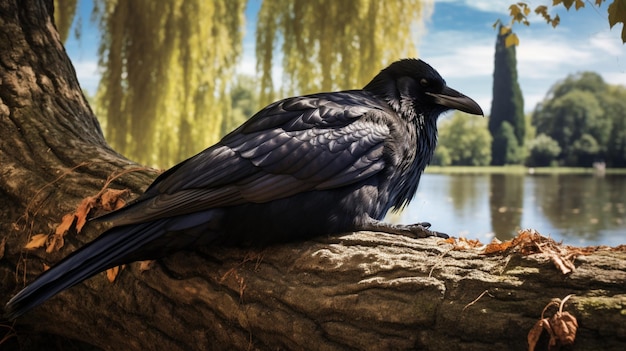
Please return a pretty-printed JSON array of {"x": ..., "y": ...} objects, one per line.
[{"x": 114, "y": 247}]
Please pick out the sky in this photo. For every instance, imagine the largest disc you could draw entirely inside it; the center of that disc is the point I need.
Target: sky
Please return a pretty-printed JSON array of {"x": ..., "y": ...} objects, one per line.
[{"x": 459, "y": 41}]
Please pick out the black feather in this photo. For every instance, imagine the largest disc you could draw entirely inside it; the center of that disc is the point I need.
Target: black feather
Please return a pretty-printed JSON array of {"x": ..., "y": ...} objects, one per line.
[{"x": 305, "y": 166}]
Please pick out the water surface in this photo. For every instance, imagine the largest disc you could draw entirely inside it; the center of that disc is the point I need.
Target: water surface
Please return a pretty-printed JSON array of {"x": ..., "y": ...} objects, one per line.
[{"x": 576, "y": 209}]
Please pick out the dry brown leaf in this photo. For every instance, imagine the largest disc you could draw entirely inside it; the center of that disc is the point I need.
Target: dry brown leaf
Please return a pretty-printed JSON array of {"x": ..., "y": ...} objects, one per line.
[
  {"x": 45, "y": 267},
  {"x": 55, "y": 243},
  {"x": 65, "y": 224},
  {"x": 535, "y": 333},
  {"x": 112, "y": 273},
  {"x": 36, "y": 241},
  {"x": 564, "y": 326},
  {"x": 562, "y": 263},
  {"x": 3, "y": 244},
  {"x": 462, "y": 243},
  {"x": 496, "y": 246},
  {"x": 112, "y": 199},
  {"x": 529, "y": 242},
  {"x": 450, "y": 240},
  {"x": 82, "y": 211},
  {"x": 145, "y": 265}
]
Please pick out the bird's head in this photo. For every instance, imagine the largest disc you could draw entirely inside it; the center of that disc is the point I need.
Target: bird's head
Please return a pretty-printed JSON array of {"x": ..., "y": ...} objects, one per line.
[{"x": 413, "y": 88}]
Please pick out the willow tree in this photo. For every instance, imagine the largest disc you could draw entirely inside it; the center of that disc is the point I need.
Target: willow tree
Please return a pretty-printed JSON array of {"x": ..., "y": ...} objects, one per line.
[
  {"x": 64, "y": 11},
  {"x": 166, "y": 67},
  {"x": 364, "y": 290},
  {"x": 329, "y": 44}
]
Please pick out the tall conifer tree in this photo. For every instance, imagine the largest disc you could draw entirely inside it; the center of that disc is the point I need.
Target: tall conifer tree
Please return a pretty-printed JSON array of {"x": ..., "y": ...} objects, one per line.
[{"x": 507, "y": 104}]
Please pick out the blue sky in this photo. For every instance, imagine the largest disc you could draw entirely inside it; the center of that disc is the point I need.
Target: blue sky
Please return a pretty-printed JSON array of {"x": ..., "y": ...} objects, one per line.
[{"x": 458, "y": 41}]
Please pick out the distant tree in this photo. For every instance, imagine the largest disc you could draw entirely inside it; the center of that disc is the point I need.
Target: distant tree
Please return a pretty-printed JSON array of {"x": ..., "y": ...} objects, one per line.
[
  {"x": 579, "y": 115},
  {"x": 505, "y": 146},
  {"x": 244, "y": 102},
  {"x": 463, "y": 141},
  {"x": 614, "y": 103},
  {"x": 542, "y": 151},
  {"x": 442, "y": 156},
  {"x": 329, "y": 45},
  {"x": 507, "y": 105},
  {"x": 586, "y": 151},
  {"x": 590, "y": 82}
]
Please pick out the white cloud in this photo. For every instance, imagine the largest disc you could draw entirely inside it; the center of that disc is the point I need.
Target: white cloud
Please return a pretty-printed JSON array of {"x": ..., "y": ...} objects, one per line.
[
  {"x": 616, "y": 78},
  {"x": 607, "y": 43},
  {"x": 87, "y": 74},
  {"x": 544, "y": 56},
  {"x": 459, "y": 54}
]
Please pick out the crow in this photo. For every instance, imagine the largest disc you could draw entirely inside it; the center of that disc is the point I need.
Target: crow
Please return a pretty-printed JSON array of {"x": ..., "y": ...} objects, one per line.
[{"x": 302, "y": 167}]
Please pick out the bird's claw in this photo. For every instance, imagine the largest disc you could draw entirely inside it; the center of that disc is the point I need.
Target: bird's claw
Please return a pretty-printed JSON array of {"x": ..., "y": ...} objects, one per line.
[
  {"x": 426, "y": 225},
  {"x": 421, "y": 230}
]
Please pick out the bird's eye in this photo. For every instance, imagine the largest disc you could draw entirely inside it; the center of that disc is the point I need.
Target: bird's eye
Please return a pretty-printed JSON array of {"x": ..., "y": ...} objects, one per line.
[{"x": 424, "y": 82}]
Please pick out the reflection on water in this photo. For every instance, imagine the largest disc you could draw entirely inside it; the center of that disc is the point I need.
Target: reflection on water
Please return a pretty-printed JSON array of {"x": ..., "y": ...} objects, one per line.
[
  {"x": 506, "y": 201},
  {"x": 577, "y": 209}
]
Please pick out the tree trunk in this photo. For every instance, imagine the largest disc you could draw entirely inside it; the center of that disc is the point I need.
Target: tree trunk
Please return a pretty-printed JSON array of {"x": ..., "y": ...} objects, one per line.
[{"x": 362, "y": 290}]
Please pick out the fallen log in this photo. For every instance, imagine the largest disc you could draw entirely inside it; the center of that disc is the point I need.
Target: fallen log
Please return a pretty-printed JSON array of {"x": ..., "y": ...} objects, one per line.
[{"x": 362, "y": 290}]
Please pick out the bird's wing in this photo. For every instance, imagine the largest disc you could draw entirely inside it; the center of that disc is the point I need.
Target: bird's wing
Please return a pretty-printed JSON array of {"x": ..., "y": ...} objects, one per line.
[{"x": 300, "y": 144}]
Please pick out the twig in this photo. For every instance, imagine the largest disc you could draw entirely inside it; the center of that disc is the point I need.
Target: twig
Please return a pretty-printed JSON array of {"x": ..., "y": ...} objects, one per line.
[{"x": 476, "y": 299}]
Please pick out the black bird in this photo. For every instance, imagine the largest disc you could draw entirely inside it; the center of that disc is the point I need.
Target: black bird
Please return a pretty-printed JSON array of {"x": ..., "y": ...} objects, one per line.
[{"x": 301, "y": 167}]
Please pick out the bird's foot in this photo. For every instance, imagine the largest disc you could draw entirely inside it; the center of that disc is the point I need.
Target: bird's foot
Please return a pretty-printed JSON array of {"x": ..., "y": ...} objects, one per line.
[
  {"x": 422, "y": 230},
  {"x": 417, "y": 230}
]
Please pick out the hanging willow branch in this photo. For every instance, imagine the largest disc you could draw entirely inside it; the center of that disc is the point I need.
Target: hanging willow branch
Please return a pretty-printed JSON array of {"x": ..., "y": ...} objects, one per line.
[
  {"x": 163, "y": 92},
  {"x": 330, "y": 45}
]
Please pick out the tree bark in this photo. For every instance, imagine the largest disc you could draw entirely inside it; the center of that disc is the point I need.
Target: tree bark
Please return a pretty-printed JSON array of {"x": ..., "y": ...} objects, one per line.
[{"x": 361, "y": 290}]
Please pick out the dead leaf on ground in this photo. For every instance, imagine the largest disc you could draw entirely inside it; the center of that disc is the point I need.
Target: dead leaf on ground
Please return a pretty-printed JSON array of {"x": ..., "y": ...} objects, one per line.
[
  {"x": 529, "y": 242},
  {"x": 497, "y": 246},
  {"x": 55, "y": 243},
  {"x": 536, "y": 331},
  {"x": 36, "y": 241},
  {"x": 145, "y": 265},
  {"x": 462, "y": 243},
  {"x": 82, "y": 211},
  {"x": 3, "y": 244},
  {"x": 561, "y": 327},
  {"x": 113, "y": 199},
  {"x": 112, "y": 273},
  {"x": 65, "y": 225},
  {"x": 108, "y": 200}
]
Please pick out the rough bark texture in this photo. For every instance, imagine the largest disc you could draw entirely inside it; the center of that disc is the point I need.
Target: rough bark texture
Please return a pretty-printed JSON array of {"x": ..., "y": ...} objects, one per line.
[{"x": 359, "y": 291}]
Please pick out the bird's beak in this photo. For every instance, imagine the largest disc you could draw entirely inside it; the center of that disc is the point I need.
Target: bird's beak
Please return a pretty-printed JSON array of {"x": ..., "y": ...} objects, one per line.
[{"x": 453, "y": 99}]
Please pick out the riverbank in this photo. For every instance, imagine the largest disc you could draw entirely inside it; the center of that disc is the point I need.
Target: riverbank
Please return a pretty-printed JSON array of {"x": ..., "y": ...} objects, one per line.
[{"x": 520, "y": 170}]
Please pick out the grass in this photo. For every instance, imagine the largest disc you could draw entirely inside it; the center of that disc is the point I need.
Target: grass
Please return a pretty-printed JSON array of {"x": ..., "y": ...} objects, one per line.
[{"x": 517, "y": 170}]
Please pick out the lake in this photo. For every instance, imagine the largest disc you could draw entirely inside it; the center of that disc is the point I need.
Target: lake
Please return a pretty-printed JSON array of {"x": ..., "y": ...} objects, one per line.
[{"x": 579, "y": 210}]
